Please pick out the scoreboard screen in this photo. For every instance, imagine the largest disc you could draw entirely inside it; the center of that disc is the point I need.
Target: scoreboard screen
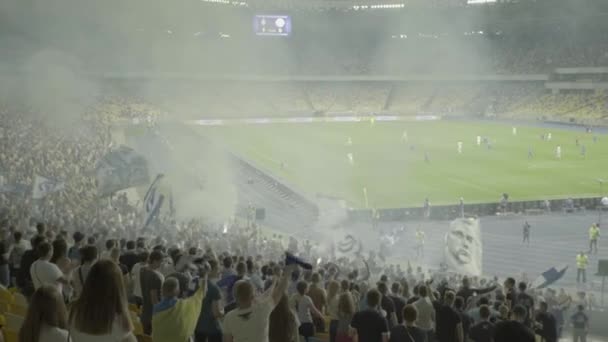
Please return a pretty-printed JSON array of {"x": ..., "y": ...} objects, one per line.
[{"x": 272, "y": 25}]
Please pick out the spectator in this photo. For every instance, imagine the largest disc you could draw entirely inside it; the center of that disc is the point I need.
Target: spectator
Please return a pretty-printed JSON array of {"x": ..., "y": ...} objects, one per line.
[
  {"x": 408, "y": 331},
  {"x": 425, "y": 312},
  {"x": 43, "y": 272},
  {"x": 449, "y": 325},
  {"x": 369, "y": 325},
  {"x": 208, "y": 328},
  {"x": 18, "y": 248},
  {"x": 100, "y": 314},
  {"x": 110, "y": 244},
  {"x": 483, "y": 330},
  {"x": 319, "y": 299},
  {"x": 580, "y": 324},
  {"x": 60, "y": 256},
  {"x": 151, "y": 283},
  {"x": 115, "y": 257},
  {"x": 548, "y": 331},
  {"x": 129, "y": 258},
  {"x": 464, "y": 318},
  {"x": 514, "y": 329},
  {"x": 306, "y": 310},
  {"x": 24, "y": 277},
  {"x": 466, "y": 291},
  {"x": 283, "y": 325},
  {"x": 346, "y": 311},
  {"x": 88, "y": 256},
  {"x": 398, "y": 300},
  {"x": 5, "y": 276},
  {"x": 136, "y": 276},
  {"x": 333, "y": 300},
  {"x": 228, "y": 270},
  {"x": 74, "y": 251},
  {"x": 526, "y": 300},
  {"x": 46, "y": 318},
  {"x": 175, "y": 319},
  {"x": 387, "y": 305},
  {"x": 250, "y": 321}
]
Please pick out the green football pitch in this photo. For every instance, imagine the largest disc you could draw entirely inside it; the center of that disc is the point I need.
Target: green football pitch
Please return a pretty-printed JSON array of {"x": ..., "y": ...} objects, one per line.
[{"x": 312, "y": 157}]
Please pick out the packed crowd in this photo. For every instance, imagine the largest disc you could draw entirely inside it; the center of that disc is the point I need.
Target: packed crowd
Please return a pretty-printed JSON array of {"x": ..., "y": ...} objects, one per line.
[
  {"x": 91, "y": 274},
  {"x": 117, "y": 289}
]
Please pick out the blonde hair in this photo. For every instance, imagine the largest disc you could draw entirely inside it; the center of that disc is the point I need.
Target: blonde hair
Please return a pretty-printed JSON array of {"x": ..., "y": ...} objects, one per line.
[
  {"x": 332, "y": 289},
  {"x": 346, "y": 305},
  {"x": 46, "y": 308},
  {"x": 103, "y": 299}
]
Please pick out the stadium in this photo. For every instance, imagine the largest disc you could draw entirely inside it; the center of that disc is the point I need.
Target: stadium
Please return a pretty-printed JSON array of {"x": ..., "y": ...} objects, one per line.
[{"x": 170, "y": 170}]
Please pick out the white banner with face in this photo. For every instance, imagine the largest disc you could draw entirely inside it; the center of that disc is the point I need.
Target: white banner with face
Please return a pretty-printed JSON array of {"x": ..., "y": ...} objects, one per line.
[{"x": 463, "y": 247}]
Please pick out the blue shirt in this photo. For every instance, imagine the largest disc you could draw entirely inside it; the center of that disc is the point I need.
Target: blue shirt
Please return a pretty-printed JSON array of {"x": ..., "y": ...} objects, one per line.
[{"x": 164, "y": 304}]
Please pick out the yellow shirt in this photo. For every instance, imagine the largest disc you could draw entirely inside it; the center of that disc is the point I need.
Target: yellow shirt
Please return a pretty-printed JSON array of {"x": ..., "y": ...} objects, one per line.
[
  {"x": 177, "y": 324},
  {"x": 581, "y": 261}
]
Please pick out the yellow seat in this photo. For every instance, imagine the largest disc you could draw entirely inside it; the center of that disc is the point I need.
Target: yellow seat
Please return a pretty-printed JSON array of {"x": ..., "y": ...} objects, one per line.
[
  {"x": 18, "y": 310},
  {"x": 20, "y": 300},
  {"x": 4, "y": 307},
  {"x": 6, "y": 296},
  {"x": 11, "y": 335},
  {"x": 143, "y": 338},
  {"x": 13, "y": 322}
]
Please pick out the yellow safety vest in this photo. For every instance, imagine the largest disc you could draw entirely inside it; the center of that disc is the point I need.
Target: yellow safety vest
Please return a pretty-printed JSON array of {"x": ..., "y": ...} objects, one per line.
[
  {"x": 594, "y": 233},
  {"x": 581, "y": 261}
]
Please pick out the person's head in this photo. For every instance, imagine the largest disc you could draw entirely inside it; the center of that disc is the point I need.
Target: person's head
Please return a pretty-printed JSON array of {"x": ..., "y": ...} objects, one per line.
[
  {"x": 213, "y": 268},
  {"x": 40, "y": 228},
  {"x": 382, "y": 288},
  {"x": 115, "y": 254},
  {"x": 522, "y": 286},
  {"x": 463, "y": 246},
  {"x": 155, "y": 259},
  {"x": 396, "y": 289},
  {"x": 171, "y": 288},
  {"x": 580, "y": 308},
  {"x": 466, "y": 282},
  {"x": 503, "y": 310},
  {"x": 17, "y": 236},
  {"x": 110, "y": 243},
  {"x": 333, "y": 288},
  {"x": 78, "y": 237},
  {"x": 91, "y": 240},
  {"x": 44, "y": 250},
  {"x": 459, "y": 303},
  {"x": 410, "y": 314},
  {"x": 46, "y": 308},
  {"x": 543, "y": 306},
  {"x": 484, "y": 312},
  {"x": 103, "y": 298},
  {"x": 282, "y": 324},
  {"x": 241, "y": 269},
  {"x": 302, "y": 287},
  {"x": 227, "y": 262},
  {"x": 509, "y": 283},
  {"x": 449, "y": 298},
  {"x": 373, "y": 298},
  {"x": 88, "y": 254},
  {"x": 346, "y": 305},
  {"x": 519, "y": 313},
  {"x": 130, "y": 245},
  {"x": 315, "y": 278},
  {"x": 483, "y": 301},
  {"x": 422, "y": 291},
  {"x": 60, "y": 249},
  {"x": 243, "y": 293}
]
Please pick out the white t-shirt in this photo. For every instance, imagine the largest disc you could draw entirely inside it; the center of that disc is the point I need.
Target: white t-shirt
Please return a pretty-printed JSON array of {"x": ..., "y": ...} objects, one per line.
[
  {"x": 53, "y": 334},
  {"x": 135, "y": 277},
  {"x": 249, "y": 325},
  {"x": 118, "y": 334},
  {"x": 302, "y": 305},
  {"x": 46, "y": 273}
]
